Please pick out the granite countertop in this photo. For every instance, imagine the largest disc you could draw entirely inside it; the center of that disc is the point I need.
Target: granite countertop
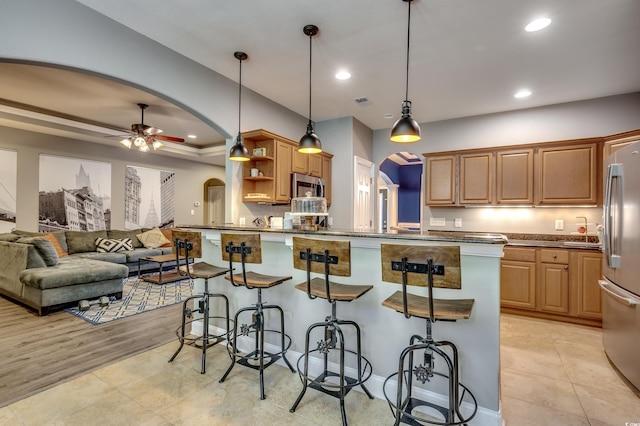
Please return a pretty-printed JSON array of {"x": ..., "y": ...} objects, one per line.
[{"x": 457, "y": 237}]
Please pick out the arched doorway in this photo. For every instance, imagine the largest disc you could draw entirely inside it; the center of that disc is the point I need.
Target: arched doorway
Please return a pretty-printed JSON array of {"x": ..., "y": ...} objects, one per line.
[
  {"x": 214, "y": 202},
  {"x": 400, "y": 193}
]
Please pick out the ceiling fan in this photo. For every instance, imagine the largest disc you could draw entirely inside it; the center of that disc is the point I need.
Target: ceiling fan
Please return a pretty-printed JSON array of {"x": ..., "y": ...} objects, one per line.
[{"x": 144, "y": 137}]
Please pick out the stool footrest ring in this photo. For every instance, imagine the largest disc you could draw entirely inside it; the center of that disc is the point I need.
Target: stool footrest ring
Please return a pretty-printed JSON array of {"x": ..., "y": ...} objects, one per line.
[{"x": 350, "y": 382}]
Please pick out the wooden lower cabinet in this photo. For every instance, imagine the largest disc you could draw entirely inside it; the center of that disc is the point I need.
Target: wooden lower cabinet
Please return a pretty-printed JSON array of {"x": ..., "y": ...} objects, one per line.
[{"x": 560, "y": 284}]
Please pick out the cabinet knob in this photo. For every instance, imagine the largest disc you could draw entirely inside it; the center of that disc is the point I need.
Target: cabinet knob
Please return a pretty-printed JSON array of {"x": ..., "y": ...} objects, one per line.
[
  {"x": 555, "y": 256},
  {"x": 566, "y": 267}
]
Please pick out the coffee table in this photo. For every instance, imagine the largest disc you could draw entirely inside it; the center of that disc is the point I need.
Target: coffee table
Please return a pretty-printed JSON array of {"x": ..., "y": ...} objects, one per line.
[{"x": 160, "y": 277}]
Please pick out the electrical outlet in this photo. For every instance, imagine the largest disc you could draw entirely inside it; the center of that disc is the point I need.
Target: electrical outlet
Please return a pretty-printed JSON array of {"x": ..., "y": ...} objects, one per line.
[
  {"x": 437, "y": 221},
  {"x": 559, "y": 224},
  {"x": 457, "y": 222}
]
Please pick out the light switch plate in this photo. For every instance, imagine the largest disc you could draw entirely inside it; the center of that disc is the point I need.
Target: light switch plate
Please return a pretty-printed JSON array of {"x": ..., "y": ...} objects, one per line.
[
  {"x": 457, "y": 222},
  {"x": 559, "y": 224},
  {"x": 437, "y": 221}
]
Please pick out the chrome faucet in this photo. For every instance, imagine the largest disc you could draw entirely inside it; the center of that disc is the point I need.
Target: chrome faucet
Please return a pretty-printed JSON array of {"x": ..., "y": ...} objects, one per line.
[{"x": 586, "y": 229}]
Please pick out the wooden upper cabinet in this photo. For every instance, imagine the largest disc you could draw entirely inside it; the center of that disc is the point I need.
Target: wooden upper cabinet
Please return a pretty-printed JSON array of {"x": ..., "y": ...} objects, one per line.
[
  {"x": 326, "y": 175},
  {"x": 568, "y": 174},
  {"x": 615, "y": 142},
  {"x": 315, "y": 164},
  {"x": 476, "y": 178},
  {"x": 441, "y": 180},
  {"x": 514, "y": 176},
  {"x": 283, "y": 173}
]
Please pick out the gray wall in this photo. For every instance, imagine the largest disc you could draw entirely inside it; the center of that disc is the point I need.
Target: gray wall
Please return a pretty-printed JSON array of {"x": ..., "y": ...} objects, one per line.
[{"x": 189, "y": 180}]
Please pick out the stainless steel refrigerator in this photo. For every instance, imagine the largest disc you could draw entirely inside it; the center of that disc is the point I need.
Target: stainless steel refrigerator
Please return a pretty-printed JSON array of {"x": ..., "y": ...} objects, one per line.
[{"x": 621, "y": 262}]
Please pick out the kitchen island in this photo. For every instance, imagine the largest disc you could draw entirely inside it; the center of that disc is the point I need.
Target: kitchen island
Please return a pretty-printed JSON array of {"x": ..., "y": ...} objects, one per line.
[{"x": 385, "y": 332}]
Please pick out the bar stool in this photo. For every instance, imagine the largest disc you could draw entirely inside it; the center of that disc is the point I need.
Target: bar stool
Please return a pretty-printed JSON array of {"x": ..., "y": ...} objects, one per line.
[
  {"x": 188, "y": 244},
  {"x": 330, "y": 258},
  {"x": 247, "y": 248},
  {"x": 406, "y": 265}
]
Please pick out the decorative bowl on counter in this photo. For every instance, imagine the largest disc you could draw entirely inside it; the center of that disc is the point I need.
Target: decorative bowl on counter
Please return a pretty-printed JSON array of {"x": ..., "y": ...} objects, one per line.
[{"x": 311, "y": 206}]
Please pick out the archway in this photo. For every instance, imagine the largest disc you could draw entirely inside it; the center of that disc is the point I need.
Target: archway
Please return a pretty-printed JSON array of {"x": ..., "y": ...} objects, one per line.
[
  {"x": 214, "y": 206},
  {"x": 400, "y": 193}
]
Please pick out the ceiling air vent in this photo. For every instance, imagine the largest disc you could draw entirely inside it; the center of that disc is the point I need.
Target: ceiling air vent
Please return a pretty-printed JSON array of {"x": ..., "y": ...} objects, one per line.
[{"x": 362, "y": 101}]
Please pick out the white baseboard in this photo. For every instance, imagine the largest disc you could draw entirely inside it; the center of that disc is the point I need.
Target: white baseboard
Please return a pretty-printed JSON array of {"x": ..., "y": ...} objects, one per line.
[{"x": 483, "y": 417}]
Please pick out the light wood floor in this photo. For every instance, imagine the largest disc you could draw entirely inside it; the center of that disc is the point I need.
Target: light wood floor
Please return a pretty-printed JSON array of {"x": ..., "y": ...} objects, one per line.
[{"x": 37, "y": 353}]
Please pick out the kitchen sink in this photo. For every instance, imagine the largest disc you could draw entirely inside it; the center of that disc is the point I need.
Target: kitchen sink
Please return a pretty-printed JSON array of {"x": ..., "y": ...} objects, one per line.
[{"x": 580, "y": 244}]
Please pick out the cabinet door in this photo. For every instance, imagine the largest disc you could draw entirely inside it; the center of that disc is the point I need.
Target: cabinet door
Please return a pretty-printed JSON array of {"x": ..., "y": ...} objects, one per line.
[
  {"x": 615, "y": 142},
  {"x": 441, "y": 180},
  {"x": 554, "y": 288},
  {"x": 326, "y": 175},
  {"x": 315, "y": 164},
  {"x": 283, "y": 171},
  {"x": 514, "y": 176},
  {"x": 568, "y": 175},
  {"x": 518, "y": 284},
  {"x": 476, "y": 178},
  {"x": 299, "y": 162},
  {"x": 587, "y": 272}
]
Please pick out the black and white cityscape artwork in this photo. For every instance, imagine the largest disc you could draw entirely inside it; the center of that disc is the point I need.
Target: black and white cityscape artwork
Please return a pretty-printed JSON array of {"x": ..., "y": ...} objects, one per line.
[
  {"x": 74, "y": 194},
  {"x": 149, "y": 198},
  {"x": 8, "y": 189}
]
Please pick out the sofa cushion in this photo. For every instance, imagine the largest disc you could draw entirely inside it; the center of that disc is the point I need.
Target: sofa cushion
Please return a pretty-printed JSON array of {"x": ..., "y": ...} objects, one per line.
[
  {"x": 153, "y": 238},
  {"x": 60, "y": 236},
  {"x": 109, "y": 245},
  {"x": 83, "y": 241},
  {"x": 133, "y": 256},
  {"x": 117, "y": 234},
  {"x": 72, "y": 271},
  {"x": 118, "y": 257},
  {"x": 44, "y": 249},
  {"x": 56, "y": 244}
]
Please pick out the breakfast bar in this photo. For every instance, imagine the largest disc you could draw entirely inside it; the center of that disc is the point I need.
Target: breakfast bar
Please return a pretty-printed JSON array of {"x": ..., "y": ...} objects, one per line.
[{"x": 385, "y": 332}]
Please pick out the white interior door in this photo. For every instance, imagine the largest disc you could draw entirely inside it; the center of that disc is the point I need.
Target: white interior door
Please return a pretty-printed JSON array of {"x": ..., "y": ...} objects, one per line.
[{"x": 363, "y": 208}]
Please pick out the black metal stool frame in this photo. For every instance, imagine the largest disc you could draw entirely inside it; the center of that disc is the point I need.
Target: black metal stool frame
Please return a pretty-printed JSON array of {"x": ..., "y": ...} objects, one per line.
[
  {"x": 203, "y": 300},
  {"x": 257, "y": 327},
  {"x": 331, "y": 326},
  {"x": 403, "y": 407}
]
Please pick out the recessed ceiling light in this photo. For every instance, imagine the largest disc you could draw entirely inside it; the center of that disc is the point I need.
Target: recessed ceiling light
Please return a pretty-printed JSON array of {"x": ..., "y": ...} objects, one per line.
[
  {"x": 388, "y": 116},
  {"x": 191, "y": 136},
  {"x": 537, "y": 25},
  {"x": 343, "y": 75},
  {"x": 522, "y": 93}
]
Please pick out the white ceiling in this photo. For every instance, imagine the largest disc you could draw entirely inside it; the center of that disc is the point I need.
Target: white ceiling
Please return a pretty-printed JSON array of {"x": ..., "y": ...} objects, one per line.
[{"x": 467, "y": 57}]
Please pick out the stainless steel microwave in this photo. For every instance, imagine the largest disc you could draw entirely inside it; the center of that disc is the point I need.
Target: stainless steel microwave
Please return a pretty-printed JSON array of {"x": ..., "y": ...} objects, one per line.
[{"x": 302, "y": 184}]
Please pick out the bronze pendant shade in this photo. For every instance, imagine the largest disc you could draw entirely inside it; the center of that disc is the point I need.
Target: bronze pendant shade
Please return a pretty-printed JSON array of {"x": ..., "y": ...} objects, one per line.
[
  {"x": 238, "y": 151},
  {"x": 310, "y": 142},
  {"x": 406, "y": 129}
]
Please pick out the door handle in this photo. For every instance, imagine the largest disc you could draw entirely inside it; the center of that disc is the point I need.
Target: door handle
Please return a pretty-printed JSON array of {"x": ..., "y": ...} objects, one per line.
[{"x": 627, "y": 301}]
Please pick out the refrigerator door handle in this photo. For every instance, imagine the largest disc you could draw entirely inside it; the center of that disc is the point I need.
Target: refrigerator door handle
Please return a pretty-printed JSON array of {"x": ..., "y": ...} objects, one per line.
[
  {"x": 627, "y": 301},
  {"x": 614, "y": 171}
]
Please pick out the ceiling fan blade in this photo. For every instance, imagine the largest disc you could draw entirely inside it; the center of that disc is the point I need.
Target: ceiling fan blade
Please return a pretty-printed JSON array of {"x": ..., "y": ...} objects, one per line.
[{"x": 168, "y": 138}]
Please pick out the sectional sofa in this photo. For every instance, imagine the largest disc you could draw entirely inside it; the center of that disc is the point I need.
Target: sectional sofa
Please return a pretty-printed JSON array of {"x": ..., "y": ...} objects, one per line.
[{"x": 46, "y": 271}]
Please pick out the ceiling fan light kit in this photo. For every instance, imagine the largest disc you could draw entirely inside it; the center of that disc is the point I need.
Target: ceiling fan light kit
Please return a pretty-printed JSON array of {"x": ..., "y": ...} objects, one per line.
[
  {"x": 238, "y": 151},
  {"x": 145, "y": 138},
  {"x": 310, "y": 142},
  {"x": 406, "y": 129}
]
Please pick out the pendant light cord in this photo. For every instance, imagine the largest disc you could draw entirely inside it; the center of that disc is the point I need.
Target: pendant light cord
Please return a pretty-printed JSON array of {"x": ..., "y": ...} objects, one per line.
[
  {"x": 239, "y": 96},
  {"x": 310, "y": 55},
  {"x": 406, "y": 93}
]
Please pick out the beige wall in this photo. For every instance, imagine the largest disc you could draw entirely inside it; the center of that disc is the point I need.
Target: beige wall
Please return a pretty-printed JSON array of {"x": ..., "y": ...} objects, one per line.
[{"x": 189, "y": 180}]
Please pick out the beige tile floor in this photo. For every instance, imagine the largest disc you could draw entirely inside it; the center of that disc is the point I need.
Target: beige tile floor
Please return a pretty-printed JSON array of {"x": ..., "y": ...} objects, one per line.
[{"x": 552, "y": 374}]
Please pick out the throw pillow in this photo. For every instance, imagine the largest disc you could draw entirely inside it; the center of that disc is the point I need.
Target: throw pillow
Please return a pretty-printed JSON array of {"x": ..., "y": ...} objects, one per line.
[
  {"x": 168, "y": 234},
  {"x": 116, "y": 234},
  {"x": 56, "y": 244},
  {"x": 43, "y": 248},
  {"x": 106, "y": 245},
  {"x": 153, "y": 238}
]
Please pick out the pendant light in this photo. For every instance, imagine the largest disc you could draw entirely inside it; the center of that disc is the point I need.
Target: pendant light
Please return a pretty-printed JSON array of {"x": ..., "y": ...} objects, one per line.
[
  {"x": 406, "y": 129},
  {"x": 310, "y": 142},
  {"x": 239, "y": 152}
]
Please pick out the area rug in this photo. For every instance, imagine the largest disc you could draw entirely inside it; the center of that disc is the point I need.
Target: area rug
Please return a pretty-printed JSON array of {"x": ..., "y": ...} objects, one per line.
[{"x": 138, "y": 296}]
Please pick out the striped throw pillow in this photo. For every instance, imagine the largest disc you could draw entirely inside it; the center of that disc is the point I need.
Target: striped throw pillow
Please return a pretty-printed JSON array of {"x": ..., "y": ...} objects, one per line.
[{"x": 106, "y": 245}]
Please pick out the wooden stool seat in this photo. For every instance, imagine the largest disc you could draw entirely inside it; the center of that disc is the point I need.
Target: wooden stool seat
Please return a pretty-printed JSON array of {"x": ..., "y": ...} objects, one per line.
[
  {"x": 204, "y": 270},
  {"x": 339, "y": 292},
  {"x": 443, "y": 309},
  {"x": 257, "y": 280}
]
